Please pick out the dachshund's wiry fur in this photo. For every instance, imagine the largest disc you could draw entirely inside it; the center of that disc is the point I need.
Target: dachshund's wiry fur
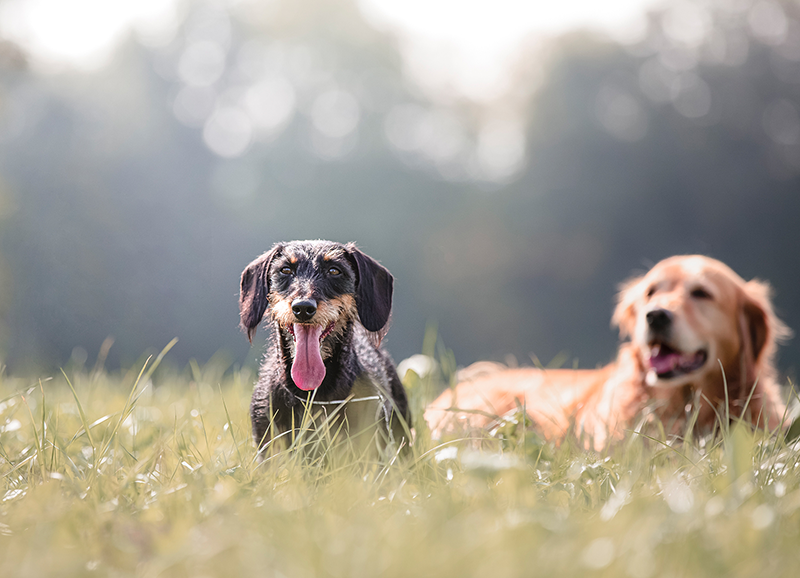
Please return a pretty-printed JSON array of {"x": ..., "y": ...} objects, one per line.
[
  {"x": 339, "y": 311},
  {"x": 351, "y": 297}
]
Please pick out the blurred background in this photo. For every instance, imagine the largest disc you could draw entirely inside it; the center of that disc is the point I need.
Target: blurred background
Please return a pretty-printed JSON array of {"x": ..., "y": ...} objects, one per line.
[{"x": 510, "y": 162}]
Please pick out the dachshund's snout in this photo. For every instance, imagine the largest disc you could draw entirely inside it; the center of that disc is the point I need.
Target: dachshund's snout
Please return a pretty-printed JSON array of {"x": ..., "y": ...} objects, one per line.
[{"x": 304, "y": 309}]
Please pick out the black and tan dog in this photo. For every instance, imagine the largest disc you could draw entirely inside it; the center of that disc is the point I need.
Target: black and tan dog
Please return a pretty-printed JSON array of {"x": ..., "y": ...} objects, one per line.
[{"x": 329, "y": 305}]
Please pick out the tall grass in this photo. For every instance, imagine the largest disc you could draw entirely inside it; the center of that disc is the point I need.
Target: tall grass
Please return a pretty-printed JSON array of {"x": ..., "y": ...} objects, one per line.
[{"x": 154, "y": 473}]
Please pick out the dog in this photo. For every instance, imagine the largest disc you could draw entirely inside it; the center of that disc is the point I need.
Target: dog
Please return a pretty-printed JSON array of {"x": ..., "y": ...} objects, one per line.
[
  {"x": 702, "y": 347},
  {"x": 329, "y": 305}
]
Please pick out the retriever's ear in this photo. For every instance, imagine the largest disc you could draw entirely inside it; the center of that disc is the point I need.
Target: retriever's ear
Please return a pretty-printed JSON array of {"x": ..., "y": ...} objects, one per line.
[
  {"x": 253, "y": 298},
  {"x": 761, "y": 329},
  {"x": 374, "y": 286},
  {"x": 624, "y": 315}
]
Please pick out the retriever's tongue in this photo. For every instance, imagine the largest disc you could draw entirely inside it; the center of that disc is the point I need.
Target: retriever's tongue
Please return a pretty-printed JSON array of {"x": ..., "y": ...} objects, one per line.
[
  {"x": 308, "y": 371},
  {"x": 664, "y": 360}
]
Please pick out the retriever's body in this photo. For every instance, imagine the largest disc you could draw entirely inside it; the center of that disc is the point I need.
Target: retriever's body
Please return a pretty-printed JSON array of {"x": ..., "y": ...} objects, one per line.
[{"x": 695, "y": 326}]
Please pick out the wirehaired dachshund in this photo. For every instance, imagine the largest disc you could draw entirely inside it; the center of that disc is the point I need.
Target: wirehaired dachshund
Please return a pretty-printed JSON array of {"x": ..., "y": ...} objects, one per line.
[{"x": 329, "y": 305}]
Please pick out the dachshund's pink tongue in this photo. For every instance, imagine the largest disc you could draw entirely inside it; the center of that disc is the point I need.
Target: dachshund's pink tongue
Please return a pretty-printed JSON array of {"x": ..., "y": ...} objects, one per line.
[{"x": 308, "y": 371}]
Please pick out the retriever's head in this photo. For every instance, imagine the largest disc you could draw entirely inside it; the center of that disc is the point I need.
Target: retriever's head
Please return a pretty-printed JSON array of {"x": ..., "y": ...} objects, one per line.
[{"x": 690, "y": 314}]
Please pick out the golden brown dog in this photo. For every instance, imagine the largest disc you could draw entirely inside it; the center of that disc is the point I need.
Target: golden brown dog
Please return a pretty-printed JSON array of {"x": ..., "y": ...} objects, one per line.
[{"x": 694, "y": 326}]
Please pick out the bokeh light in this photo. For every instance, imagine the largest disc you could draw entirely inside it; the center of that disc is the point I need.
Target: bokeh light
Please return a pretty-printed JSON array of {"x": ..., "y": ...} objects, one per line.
[{"x": 511, "y": 166}]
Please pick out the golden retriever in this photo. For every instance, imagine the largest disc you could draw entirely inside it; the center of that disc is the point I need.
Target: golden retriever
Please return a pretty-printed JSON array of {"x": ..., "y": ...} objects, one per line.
[{"x": 694, "y": 326}]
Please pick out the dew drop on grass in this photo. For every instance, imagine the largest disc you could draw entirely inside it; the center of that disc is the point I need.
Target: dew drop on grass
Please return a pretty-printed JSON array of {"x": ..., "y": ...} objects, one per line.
[
  {"x": 615, "y": 503},
  {"x": 12, "y": 425},
  {"x": 11, "y": 494},
  {"x": 678, "y": 495},
  {"x": 715, "y": 506},
  {"x": 762, "y": 517},
  {"x": 448, "y": 453},
  {"x": 132, "y": 424},
  {"x": 598, "y": 554},
  {"x": 575, "y": 470}
]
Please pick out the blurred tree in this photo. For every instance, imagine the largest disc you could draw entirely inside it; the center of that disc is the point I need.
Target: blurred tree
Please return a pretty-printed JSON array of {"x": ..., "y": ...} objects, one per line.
[
  {"x": 143, "y": 189},
  {"x": 12, "y": 65}
]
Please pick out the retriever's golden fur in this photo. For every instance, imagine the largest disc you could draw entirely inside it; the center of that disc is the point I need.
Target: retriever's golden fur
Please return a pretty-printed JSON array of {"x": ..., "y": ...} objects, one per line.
[{"x": 722, "y": 330}]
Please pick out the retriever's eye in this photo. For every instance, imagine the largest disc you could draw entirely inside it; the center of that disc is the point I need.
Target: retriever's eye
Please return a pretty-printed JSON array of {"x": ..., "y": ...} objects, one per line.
[
  {"x": 286, "y": 270},
  {"x": 334, "y": 271},
  {"x": 651, "y": 291},
  {"x": 700, "y": 293}
]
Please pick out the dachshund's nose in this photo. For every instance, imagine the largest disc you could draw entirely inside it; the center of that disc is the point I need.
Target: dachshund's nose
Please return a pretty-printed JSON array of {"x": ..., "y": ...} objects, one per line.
[
  {"x": 658, "y": 319},
  {"x": 304, "y": 309}
]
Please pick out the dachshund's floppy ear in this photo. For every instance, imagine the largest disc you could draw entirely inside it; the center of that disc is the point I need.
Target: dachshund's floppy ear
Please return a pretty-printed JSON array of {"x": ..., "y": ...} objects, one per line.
[
  {"x": 253, "y": 298},
  {"x": 374, "y": 286},
  {"x": 624, "y": 315}
]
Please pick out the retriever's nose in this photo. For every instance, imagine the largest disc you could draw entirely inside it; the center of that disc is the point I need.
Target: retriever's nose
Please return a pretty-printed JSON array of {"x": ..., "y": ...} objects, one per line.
[
  {"x": 304, "y": 309},
  {"x": 658, "y": 319}
]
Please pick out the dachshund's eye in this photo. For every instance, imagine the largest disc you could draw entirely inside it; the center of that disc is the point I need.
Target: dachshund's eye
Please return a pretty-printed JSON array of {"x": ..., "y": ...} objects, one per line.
[
  {"x": 286, "y": 270},
  {"x": 334, "y": 271},
  {"x": 700, "y": 293},
  {"x": 651, "y": 291}
]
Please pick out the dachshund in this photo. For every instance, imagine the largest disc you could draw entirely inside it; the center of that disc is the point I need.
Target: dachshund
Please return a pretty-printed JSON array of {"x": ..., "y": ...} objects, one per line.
[{"x": 329, "y": 305}]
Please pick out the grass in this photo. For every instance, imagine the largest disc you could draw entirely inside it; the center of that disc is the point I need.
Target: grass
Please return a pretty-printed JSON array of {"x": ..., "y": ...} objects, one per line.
[{"x": 153, "y": 473}]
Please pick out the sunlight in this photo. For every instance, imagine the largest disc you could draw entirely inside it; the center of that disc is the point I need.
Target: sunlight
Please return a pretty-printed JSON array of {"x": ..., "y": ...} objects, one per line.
[
  {"x": 83, "y": 33},
  {"x": 450, "y": 46},
  {"x": 470, "y": 47}
]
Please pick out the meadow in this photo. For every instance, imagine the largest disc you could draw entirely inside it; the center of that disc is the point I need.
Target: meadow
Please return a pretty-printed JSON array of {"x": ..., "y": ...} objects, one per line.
[{"x": 152, "y": 472}]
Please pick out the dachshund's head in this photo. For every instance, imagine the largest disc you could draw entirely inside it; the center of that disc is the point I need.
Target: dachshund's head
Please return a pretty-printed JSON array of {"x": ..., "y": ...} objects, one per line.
[{"x": 314, "y": 291}]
